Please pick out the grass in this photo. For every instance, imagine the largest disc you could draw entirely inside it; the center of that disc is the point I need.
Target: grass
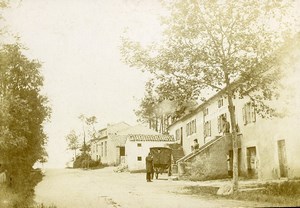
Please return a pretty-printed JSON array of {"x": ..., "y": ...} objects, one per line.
[
  {"x": 280, "y": 194},
  {"x": 261, "y": 196},
  {"x": 9, "y": 199}
]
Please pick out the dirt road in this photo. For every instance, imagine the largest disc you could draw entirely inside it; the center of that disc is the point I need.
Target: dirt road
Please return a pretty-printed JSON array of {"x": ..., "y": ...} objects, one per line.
[{"x": 68, "y": 188}]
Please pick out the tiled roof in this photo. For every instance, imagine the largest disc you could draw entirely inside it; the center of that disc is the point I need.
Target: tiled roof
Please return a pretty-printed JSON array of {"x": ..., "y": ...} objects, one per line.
[{"x": 150, "y": 138}]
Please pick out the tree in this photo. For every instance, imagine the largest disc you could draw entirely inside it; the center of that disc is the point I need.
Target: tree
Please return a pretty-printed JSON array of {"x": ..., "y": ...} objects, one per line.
[
  {"x": 23, "y": 112},
  {"x": 43, "y": 158},
  {"x": 164, "y": 102},
  {"x": 90, "y": 122},
  {"x": 73, "y": 141},
  {"x": 219, "y": 45}
]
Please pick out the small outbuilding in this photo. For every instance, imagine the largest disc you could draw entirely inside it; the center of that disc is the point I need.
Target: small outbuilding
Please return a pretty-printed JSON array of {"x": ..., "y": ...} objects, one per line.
[{"x": 137, "y": 147}]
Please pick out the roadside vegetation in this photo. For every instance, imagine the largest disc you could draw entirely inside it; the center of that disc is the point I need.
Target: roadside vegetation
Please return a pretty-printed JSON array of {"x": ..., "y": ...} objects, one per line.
[
  {"x": 74, "y": 141},
  {"x": 11, "y": 198},
  {"x": 85, "y": 161},
  {"x": 23, "y": 113},
  {"x": 280, "y": 194}
]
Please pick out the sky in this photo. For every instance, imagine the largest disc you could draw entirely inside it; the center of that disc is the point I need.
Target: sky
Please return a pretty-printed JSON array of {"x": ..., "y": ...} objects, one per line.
[{"x": 77, "y": 42}]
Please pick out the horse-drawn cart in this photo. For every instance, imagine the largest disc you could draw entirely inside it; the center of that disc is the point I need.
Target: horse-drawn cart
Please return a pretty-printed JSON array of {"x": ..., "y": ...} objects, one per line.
[{"x": 161, "y": 160}]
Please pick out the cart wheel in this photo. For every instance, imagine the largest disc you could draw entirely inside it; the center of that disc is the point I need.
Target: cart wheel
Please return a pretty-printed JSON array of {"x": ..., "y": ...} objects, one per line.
[{"x": 156, "y": 175}]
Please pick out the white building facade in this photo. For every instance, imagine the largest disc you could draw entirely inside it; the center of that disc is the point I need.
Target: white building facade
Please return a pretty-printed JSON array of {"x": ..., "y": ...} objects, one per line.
[
  {"x": 268, "y": 148},
  {"x": 138, "y": 146}
]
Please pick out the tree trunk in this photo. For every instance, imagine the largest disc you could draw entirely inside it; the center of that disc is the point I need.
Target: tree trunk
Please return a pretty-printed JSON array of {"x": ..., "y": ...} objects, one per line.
[{"x": 231, "y": 109}]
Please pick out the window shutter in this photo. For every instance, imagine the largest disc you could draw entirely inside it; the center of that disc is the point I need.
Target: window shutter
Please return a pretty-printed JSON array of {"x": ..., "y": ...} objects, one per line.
[
  {"x": 219, "y": 123},
  {"x": 205, "y": 129},
  {"x": 244, "y": 115},
  {"x": 253, "y": 115},
  {"x": 209, "y": 128},
  {"x": 187, "y": 129}
]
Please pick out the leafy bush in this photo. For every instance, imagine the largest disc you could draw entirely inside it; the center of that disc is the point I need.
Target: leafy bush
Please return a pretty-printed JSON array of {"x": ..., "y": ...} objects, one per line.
[
  {"x": 85, "y": 161},
  {"x": 287, "y": 188}
]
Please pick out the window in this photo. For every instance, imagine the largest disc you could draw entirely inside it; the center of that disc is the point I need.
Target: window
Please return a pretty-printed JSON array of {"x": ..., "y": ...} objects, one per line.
[
  {"x": 221, "y": 122},
  {"x": 191, "y": 127},
  {"x": 177, "y": 134},
  {"x": 249, "y": 115},
  {"x": 207, "y": 129},
  {"x": 205, "y": 112},
  {"x": 105, "y": 148},
  {"x": 101, "y": 149},
  {"x": 139, "y": 158},
  {"x": 122, "y": 151},
  {"x": 139, "y": 144},
  {"x": 220, "y": 102}
]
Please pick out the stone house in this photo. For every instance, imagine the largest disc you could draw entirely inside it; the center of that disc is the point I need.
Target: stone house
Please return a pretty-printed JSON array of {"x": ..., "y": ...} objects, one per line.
[{"x": 268, "y": 148}]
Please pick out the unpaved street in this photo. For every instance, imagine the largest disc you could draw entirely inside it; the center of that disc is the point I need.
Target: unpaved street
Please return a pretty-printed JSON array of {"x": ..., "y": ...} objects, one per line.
[{"x": 68, "y": 188}]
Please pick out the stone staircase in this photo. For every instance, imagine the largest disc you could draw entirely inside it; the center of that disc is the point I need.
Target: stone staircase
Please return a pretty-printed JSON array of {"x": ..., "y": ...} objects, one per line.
[
  {"x": 193, "y": 154},
  {"x": 177, "y": 152}
]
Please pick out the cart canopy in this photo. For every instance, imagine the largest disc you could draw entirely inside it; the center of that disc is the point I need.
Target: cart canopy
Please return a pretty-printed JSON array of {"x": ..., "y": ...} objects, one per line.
[{"x": 161, "y": 155}]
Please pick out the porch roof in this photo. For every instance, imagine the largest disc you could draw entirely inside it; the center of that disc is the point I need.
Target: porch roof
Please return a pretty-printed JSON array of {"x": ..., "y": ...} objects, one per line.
[{"x": 150, "y": 138}]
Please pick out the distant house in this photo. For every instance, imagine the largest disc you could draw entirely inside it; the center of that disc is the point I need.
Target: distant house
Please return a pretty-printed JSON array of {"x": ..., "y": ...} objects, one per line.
[
  {"x": 137, "y": 147},
  {"x": 103, "y": 147},
  {"x": 109, "y": 147}
]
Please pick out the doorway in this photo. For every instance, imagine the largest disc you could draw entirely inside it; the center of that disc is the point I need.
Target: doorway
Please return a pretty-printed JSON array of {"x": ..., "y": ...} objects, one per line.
[
  {"x": 282, "y": 158},
  {"x": 252, "y": 162},
  {"x": 181, "y": 136}
]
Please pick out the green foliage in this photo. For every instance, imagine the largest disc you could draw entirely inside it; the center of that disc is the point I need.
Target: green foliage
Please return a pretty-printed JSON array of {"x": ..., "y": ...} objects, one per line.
[
  {"x": 263, "y": 196},
  {"x": 164, "y": 101},
  {"x": 219, "y": 45},
  {"x": 283, "y": 194},
  {"x": 85, "y": 161},
  {"x": 23, "y": 112},
  {"x": 209, "y": 45},
  {"x": 21, "y": 199},
  {"x": 73, "y": 141}
]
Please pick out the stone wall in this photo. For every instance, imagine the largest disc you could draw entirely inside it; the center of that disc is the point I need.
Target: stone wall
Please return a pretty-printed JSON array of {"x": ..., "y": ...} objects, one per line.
[{"x": 209, "y": 163}]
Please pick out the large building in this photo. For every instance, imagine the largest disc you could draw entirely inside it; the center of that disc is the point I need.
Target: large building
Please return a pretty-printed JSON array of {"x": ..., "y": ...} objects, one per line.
[{"x": 268, "y": 148}]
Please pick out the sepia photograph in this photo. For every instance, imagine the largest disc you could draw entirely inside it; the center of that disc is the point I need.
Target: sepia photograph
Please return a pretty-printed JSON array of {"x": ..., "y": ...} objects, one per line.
[{"x": 149, "y": 103}]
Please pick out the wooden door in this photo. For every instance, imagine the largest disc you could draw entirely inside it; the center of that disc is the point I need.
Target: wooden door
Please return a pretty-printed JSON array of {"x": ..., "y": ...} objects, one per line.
[
  {"x": 282, "y": 158},
  {"x": 252, "y": 162}
]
